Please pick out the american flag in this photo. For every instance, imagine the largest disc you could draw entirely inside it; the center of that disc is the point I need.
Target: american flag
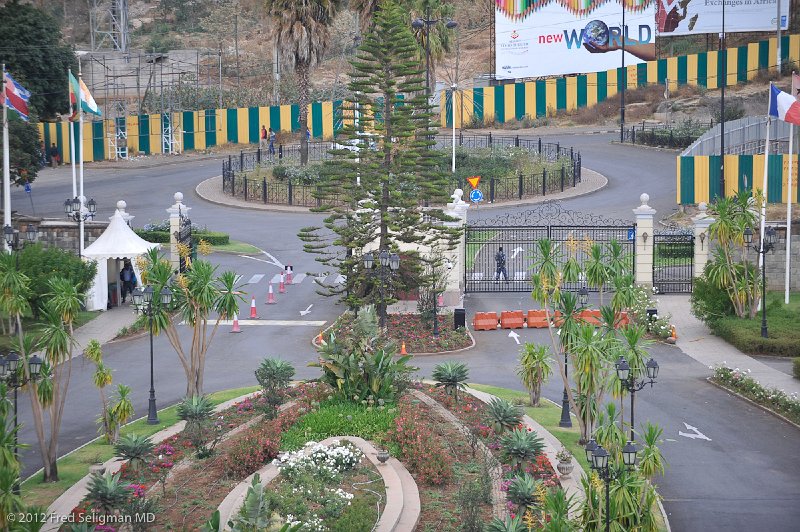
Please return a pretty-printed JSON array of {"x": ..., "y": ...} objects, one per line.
[{"x": 16, "y": 96}]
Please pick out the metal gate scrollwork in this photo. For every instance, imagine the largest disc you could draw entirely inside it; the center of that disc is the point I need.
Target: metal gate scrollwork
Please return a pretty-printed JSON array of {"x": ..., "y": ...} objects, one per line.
[{"x": 673, "y": 261}]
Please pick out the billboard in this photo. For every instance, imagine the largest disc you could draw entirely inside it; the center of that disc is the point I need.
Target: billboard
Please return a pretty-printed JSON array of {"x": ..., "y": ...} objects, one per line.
[
  {"x": 536, "y": 38},
  {"x": 688, "y": 17}
]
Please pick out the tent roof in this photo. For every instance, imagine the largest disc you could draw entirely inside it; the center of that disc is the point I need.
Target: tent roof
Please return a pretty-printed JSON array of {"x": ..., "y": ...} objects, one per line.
[{"x": 118, "y": 241}]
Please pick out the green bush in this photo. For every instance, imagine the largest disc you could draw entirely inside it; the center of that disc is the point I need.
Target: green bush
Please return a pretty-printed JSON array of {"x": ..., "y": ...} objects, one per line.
[
  {"x": 796, "y": 367},
  {"x": 360, "y": 516},
  {"x": 709, "y": 303},
  {"x": 214, "y": 238},
  {"x": 339, "y": 419},
  {"x": 745, "y": 334},
  {"x": 41, "y": 264},
  {"x": 274, "y": 376}
]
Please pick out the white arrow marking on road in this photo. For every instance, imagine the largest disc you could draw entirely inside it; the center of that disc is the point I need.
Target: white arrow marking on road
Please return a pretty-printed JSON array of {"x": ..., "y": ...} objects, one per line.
[
  {"x": 273, "y": 260},
  {"x": 516, "y": 251},
  {"x": 515, "y": 336},
  {"x": 697, "y": 434},
  {"x": 307, "y": 310}
]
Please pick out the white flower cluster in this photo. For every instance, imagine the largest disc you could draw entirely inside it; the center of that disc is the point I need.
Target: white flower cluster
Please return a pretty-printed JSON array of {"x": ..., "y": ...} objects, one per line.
[
  {"x": 330, "y": 460},
  {"x": 339, "y": 492}
]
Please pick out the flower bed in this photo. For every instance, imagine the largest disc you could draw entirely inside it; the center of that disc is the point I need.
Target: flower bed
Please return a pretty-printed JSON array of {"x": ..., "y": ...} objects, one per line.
[
  {"x": 776, "y": 400},
  {"x": 416, "y": 332},
  {"x": 331, "y": 488}
]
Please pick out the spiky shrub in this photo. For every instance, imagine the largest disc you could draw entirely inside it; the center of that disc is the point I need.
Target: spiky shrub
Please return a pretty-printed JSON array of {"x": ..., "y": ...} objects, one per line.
[
  {"x": 525, "y": 492},
  {"x": 274, "y": 375},
  {"x": 502, "y": 415},
  {"x": 196, "y": 411},
  {"x": 451, "y": 376},
  {"x": 510, "y": 524},
  {"x": 135, "y": 448},
  {"x": 520, "y": 446},
  {"x": 106, "y": 492}
]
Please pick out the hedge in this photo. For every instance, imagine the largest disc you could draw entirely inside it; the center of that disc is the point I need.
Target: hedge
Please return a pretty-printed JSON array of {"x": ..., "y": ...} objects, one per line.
[{"x": 215, "y": 238}]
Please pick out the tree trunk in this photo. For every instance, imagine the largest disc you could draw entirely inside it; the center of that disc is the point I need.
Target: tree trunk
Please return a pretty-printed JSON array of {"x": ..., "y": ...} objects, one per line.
[{"x": 302, "y": 70}]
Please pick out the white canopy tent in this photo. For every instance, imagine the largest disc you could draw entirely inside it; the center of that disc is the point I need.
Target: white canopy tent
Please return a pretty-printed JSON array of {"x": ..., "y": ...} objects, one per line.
[{"x": 118, "y": 242}]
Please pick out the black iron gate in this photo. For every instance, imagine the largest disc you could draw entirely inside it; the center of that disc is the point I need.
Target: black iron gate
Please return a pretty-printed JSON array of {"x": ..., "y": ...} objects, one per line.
[
  {"x": 673, "y": 261},
  {"x": 184, "y": 238},
  {"x": 573, "y": 232}
]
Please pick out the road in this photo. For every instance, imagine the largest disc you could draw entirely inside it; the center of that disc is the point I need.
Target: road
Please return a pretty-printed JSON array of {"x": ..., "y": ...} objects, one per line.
[{"x": 744, "y": 478}]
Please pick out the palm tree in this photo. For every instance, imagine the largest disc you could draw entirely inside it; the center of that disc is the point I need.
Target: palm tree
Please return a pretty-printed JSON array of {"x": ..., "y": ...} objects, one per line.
[
  {"x": 121, "y": 411},
  {"x": 534, "y": 369},
  {"x": 101, "y": 378},
  {"x": 302, "y": 33},
  {"x": 597, "y": 271}
]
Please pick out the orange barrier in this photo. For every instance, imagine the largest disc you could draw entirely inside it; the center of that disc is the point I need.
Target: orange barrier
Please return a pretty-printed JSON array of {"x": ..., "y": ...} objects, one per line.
[
  {"x": 537, "y": 319},
  {"x": 512, "y": 319},
  {"x": 484, "y": 321}
]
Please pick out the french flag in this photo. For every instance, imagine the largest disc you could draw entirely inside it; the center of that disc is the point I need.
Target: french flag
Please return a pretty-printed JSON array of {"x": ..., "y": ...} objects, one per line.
[
  {"x": 783, "y": 105},
  {"x": 16, "y": 96}
]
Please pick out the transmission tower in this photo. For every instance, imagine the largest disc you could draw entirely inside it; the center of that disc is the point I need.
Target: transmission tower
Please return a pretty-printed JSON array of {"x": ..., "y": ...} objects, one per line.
[{"x": 108, "y": 20}]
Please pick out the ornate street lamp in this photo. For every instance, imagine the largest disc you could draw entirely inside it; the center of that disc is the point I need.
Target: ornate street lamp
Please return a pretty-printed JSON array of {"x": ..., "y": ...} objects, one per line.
[
  {"x": 143, "y": 302},
  {"x": 386, "y": 263},
  {"x": 767, "y": 245},
  {"x": 629, "y": 382}
]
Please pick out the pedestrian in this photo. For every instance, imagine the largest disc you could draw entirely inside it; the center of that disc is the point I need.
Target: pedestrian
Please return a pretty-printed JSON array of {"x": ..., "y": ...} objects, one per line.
[
  {"x": 128, "y": 278},
  {"x": 264, "y": 138},
  {"x": 42, "y": 155},
  {"x": 500, "y": 260},
  {"x": 308, "y": 135},
  {"x": 54, "y": 156},
  {"x": 271, "y": 149}
]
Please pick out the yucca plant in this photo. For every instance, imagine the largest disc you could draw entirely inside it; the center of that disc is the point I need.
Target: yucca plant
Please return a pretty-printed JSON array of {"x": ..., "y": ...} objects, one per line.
[
  {"x": 510, "y": 524},
  {"x": 451, "y": 376},
  {"x": 106, "y": 492},
  {"x": 557, "y": 506},
  {"x": 135, "y": 449},
  {"x": 274, "y": 375},
  {"x": 525, "y": 492},
  {"x": 534, "y": 369},
  {"x": 651, "y": 462},
  {"x": 520, "y": 446},
  {"x": 503, "y": 415},
  {"x": 196, "y": 411}
]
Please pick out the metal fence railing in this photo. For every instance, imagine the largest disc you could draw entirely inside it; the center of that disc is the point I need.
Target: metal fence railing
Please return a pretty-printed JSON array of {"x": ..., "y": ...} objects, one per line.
[
  {"x": 665, "y": 135},
  {"x": 744, "y": 136},
  {"x": 236, "y": 181}
]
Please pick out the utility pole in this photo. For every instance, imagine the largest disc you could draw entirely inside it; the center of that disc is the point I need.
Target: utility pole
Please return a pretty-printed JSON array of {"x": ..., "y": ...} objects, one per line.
[
  {"x": 723, "y": 56},
  {"x": 236, "y": 44},
  {"x": 778, "y": 24},
  {"x": 220, "y": 74},
  {"x": 624, "y": 81}
]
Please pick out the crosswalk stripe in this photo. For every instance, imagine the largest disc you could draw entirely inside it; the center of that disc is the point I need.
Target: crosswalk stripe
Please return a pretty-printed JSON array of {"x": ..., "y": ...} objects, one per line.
[
  {"x": 297, "y": 279},
  {"x": 256, "y": 278}
]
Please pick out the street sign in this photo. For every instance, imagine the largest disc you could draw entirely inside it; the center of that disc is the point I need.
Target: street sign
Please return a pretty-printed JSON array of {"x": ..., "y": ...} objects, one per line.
[
  {"x": 28, "y": 188},
  {"x": 476, "y": 196},
  {"x": 631, "y": 235},
  {"x": 474, "y": 181}
]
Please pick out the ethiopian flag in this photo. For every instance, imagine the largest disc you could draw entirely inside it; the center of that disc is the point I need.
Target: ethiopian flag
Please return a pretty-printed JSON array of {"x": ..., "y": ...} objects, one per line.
[{"x": 88, "y": 105}]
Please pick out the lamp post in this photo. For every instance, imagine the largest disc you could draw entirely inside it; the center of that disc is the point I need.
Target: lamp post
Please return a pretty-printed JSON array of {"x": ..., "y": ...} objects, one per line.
[
  {"x": 80, "y": 210},
  {"x": 625, "y": 81},
  {"x": 143, "y": 302},
  {"x": 15, "y": 376},
  {"x": 598, "y": 460},
  {"x": 427, "y": 22},
  {"x": 628, "y": 379},
  {"x": 767, "y": 244},
  {"x": 13, "y": 241},
  {"x": 566, "y": 420},
  {"x": 386, "y": 263}
]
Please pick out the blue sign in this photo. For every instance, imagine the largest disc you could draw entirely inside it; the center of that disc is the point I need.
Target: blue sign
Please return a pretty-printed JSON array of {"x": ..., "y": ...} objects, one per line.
[
  {"x": 631, "y": 234},
  {"x": 476, "y": 196},
  {"x": 28, "y": 188}
]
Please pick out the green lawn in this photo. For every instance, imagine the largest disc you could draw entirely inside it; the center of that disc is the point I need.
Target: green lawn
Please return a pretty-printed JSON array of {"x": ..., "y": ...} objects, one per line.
[
  {"x": 31, "y": 326},
  {"x": 234, "y": 246},
  {"x": 548, "y": 415},
  {"x": 73, "y": 467}
]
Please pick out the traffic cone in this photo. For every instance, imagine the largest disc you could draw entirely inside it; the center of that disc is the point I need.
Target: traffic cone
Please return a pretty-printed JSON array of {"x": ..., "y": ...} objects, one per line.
[
  {"x": 319, "y": 339},
  {"x": 403, "y": 349},
  {"x": 674, "y": 333},
  {"x": 270, "y": 296},
  {"x": 253, "y": 315},
  {"x": 289, "y": 275},
  {"x": 236, "y": 328},
  {"x": 440, "y": 300},
  {"x": 282, "y": 285}
]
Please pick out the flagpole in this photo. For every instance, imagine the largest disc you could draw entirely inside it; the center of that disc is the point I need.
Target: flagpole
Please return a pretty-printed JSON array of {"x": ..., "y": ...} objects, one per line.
[
  {"x": 6, "y": 164},
  {"x": 80, "y": 159},
  {"x": 72, "y": 137},
  {"x": 789, "y": 218}
]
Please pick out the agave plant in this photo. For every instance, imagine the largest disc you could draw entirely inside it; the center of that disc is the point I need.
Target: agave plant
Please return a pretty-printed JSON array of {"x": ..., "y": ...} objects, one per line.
[
  {"x": 520, "y": 446},
  {"x": 510, "y": 524},
  {"x": 134, "y": 448},
  {"x": 503, "y": 415},
  {"x": 525, "y": 492},
  {"x": 451, "y": 376},
  {"x": 196, "y": 412},
  {"x": 106, "y": 492}
]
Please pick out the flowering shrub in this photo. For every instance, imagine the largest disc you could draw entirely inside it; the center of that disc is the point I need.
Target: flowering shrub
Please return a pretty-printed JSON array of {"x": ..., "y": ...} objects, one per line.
[
  {"x": 325, "y": 461},
  {"x": 643, "y": 299},
  {"x": 741, "y": 381},
  {"x": 420, "y": 450}
]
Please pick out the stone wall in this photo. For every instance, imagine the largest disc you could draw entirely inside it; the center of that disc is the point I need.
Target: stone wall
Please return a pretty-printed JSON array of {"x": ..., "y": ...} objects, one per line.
[
  {"x": 60, "y": 233},
  {"x": 776, "y": 261}
]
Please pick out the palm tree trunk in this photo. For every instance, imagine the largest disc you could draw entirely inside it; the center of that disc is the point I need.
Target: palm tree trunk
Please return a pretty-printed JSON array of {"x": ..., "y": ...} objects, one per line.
[{"x": 303, "y": 70}]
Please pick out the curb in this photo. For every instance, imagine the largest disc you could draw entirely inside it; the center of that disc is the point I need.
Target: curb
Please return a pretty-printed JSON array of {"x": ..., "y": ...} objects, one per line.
[
  {"x": 646, "y": 147},
  {"x": 747, "y": 399},
  {"x": 241, "y": 204}
]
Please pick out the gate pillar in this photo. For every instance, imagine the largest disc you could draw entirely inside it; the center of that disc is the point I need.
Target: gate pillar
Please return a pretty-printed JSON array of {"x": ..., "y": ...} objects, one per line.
[
  {"x": 175, "y": 213},
  {"x": 644, "y": 214},
  {"x": 454, "y": 288},
  {"x": 701, "y": 221}
]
